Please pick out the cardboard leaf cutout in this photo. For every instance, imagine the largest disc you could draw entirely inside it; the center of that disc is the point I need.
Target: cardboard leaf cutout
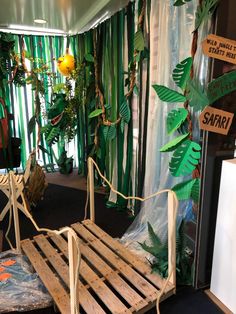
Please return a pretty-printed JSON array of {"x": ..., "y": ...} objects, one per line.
[
  {"x": 198, "y": 100},
  {"x": 31, "y": 124},
  {"x": 181, "y": 73},
  {"x": 175, "y": 118},
  {"x": 111, "y": 133},
  {"x": 183, "y": 190},
  {"x": 168, "y": 95},
  {"x": 180, "y": 2},
  {"x": 105, "y": 129},
  {"x": 196, "y": 191},
  {"x": 139, "y": 41},
  {"x": 125, "y": 111},
  {"x": 172, "y": 145},
  {"x": 204, "y": 11},
  {"x": 95, "y": 113},
  {"x": 185, "y": 158}
]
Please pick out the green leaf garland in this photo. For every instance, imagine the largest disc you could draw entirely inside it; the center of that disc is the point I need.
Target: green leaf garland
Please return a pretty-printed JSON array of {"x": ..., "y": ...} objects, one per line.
[
  {"x": 185, "y": 158},
  {"x": 168, "y": 95},
  {"x": 181, "y": 73},
  {"x": 198, "y": 99},
  {"x": 183, "y": 190},
  {"x": 175, "y": 118},
  {"x": 172, "y": 145},
  {"x": 95, "y": 113}
]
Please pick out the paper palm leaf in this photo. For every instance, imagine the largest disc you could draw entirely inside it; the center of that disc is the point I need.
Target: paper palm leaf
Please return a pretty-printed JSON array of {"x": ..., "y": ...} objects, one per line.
[
  {"x": 197, "y": 98},
  {"x": 172, "y": 145},
  {"x": 181, "y": 73},
  {"x": 175, "y": 118},
  {"x": 185, "y": 159},
  {"x": 204, "y": 11},
  {"x": 181, "y": 2},
  {"x": 95, "y": 113},
  {"x": 139, "y": 41},
  {"x": 183, "y": 190},
  {"x": 196, "y": 191},
  {"x": 167, "y": 94},
  {"x": 111, "y": 133},
  {"x": 125, "y": 111}
]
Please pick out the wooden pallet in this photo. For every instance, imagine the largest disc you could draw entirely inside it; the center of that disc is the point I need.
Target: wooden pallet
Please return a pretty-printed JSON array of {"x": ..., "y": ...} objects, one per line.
[{"x": 112, "y": 279}]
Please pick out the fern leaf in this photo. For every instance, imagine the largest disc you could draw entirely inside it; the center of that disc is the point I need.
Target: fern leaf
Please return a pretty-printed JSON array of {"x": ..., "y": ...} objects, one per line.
[
  {"x": 181, "y": 73},
  {"x": 204, "y": 11},
  {"x": 168, "y": 95},
  {"x": 175, "y": 118},
  {"x": 172, "y": 145},
  {"x": 153, "y": 237},
  {"x": 185, "y": 159}
]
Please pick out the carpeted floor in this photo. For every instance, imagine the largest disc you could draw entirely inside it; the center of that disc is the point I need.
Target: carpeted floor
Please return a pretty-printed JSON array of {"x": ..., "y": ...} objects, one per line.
[{"x": 62, "y": 206}]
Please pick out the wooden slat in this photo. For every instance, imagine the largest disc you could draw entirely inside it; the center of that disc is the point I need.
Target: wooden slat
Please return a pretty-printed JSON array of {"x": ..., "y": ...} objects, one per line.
[
  {"x": 52, "y": 283},
  {"x": 131, "y": 258},
  {"x": 88, "y": 303},
  {"x": 104, "y": 293},
  {"x": 136, "y": 279}
]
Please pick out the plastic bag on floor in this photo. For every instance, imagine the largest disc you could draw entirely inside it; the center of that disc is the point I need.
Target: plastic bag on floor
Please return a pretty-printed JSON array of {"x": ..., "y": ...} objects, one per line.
[{"x": 20, "y": 287}]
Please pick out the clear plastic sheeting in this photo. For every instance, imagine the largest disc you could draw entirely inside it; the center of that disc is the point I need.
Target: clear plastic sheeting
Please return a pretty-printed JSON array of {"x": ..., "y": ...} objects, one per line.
[
  {"x": 20, "y": 287},
  {"x": 171, "y": 30}
]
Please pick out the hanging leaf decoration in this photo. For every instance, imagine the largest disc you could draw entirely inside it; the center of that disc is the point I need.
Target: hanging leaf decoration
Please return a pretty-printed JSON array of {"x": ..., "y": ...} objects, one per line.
[
  {"x": 204, "y": 11},
  {"x": 111, "y": 132},
  {"x": 180, "y": 2},
  {"x": 139, "y": 40},
  {"x": 183, "y": 190},
  {"x": 185, "y": 158},
  {"x": 197, "y": 97},
  {"x": 196, "y": 191},
  {"x": 88, "y": 57},
  {"x": 105, "y": 129},
  {"x": 175, "y": 118},
  {"x": 122, "y": 125},
  {"x": 32, "y": 124},
  {"x": 181, "y": 73},
  {"x": 95, "y": 113},
  {"x": 172, "y": 145},
  {"x": 168, "y": 95},
  {"x": 125, "y": 111}
]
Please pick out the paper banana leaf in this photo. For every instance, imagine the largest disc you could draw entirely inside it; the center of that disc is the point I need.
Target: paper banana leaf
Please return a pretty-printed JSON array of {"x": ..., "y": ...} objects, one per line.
[
  {"x": 172, "y": 145},
  {"x": 185, "y": 158},
  {"x": 168, "y": 95},
  {"x": 183, "y": 190},
  {"x": 125, "y": 111},
  {"x": 175, "y": 118},
  {"x": 181, "y": 73},
  {"x": 198, "y": 99}
]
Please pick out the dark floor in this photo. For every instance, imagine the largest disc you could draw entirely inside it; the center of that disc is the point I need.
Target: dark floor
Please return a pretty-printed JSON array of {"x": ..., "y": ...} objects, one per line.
[{"x": 62, "y": 206}]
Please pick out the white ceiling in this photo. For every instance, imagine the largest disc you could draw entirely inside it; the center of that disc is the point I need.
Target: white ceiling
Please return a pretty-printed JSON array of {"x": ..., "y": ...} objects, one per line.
[{"x": 69, "y": 16}]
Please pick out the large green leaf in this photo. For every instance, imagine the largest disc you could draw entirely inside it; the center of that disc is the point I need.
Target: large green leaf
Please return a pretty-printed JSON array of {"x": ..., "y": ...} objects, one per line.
[
  {"x": 95, "y": 113},
  {"x": 32, "y": 124},
  {"x": 181, "y": 73},
  {"x": 204, "y": 11},
  {"x": 181, "y": 2},
  {"x": 125, "y": 111},
  {"x": 185, "y": 158},
  {"x": 196, "y": 191},
  {"x": 167, "y": 94},
  {"x": 139, "y": 40},
  {"x": 183, "y": 190},
  {"x": 197, "y": 97},
  {"x": 88, "y": 57},
  {"x": 175, "y": 118},
  {"x": 172, "y": 145},
  {"x": 105, "y": 129},
  {"x": 111, "y": 133}
]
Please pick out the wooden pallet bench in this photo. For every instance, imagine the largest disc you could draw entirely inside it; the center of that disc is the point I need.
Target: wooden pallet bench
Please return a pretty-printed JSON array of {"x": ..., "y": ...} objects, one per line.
[{"x": 112, "y": 279}]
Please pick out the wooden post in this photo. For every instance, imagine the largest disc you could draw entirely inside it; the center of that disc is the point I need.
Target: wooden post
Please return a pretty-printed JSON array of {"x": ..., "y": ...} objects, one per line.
[
  {"x": 73, "y": 261},
  {"x": 13, "y": 198},
  {"x": 171, "y": 237},
  {"x": 91, "y": 188}
]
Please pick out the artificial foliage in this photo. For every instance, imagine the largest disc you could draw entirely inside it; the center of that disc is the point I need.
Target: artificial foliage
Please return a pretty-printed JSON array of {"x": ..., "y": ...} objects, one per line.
[{"x": 159, "y": 252}]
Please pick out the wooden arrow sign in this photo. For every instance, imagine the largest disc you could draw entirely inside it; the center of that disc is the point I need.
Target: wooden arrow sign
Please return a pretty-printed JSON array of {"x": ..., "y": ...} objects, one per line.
[{"x": 215, "y": 120}]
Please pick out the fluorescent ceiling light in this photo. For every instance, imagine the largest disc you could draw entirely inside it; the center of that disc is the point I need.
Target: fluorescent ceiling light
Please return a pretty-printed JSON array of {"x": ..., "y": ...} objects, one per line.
[
  {"x": 35, "y": 29},
  {"x": 40, "y": 21}
]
